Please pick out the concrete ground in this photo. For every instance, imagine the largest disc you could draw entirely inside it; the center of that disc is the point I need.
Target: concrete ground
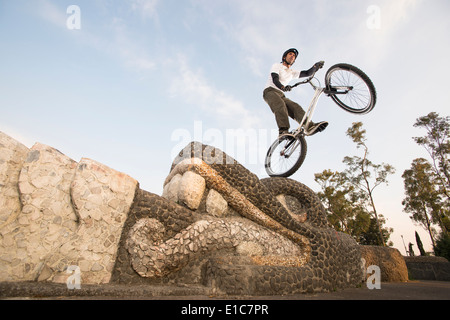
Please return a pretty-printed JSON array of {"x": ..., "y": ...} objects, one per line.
[{"x": 412, "y": 290}]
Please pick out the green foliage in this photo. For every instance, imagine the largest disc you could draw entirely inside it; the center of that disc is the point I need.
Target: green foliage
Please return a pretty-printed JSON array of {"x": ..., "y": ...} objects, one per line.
[
  {"x": 437, "y": 144},
  {"x": 365, "y": 176},
  {"x": 411, "y": 250},
  {"x": 348, "y": 195},
  {"x": 361, "y": 172},
  {"x": 423, "y": 199},
  {"x": 345, "y": 210},
  {"x": 371, "y": 236},
  {"x": 427, "y": 184},
  {"x": 442, "y": 248},
  {"x": 420, "y": 245}
]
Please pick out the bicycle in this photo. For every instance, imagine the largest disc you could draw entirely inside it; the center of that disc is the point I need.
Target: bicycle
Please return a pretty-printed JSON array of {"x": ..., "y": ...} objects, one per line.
[{"x": 349, "y": 87}]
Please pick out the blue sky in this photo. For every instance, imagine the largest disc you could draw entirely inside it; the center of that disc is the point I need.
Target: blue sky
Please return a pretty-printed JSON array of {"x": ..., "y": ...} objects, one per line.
[{"x": 141, "y": 78}]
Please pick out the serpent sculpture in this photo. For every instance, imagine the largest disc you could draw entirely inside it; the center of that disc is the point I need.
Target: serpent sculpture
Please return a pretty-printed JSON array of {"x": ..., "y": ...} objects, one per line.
[
  {"x": 217, "y": 228},
  {"x": 275, "y": 241}
]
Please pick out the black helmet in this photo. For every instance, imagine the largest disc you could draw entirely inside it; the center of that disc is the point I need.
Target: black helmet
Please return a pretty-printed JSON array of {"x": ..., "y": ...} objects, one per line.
[{"x": 295, "y": 51}]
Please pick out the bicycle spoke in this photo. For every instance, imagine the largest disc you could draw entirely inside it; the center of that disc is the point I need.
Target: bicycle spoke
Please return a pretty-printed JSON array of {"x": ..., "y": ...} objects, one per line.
[{"x": 359, "y": 96}]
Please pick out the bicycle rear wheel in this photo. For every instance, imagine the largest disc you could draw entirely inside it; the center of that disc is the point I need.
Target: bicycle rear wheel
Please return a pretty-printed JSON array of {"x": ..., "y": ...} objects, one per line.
[
  {"x": 354, "y": 91},
  {"x": 285, "y": 156}
]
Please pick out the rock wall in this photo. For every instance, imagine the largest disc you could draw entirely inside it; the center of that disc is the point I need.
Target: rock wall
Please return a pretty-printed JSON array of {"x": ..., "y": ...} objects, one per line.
[
  {"x": 391, "y": 262},
  {"x": 57, "y": 213},
  {"x": 428, "y": 268}
]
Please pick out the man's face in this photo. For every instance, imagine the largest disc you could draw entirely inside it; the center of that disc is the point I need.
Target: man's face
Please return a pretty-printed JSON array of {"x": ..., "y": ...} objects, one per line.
[{"x": 290, "y": 58}]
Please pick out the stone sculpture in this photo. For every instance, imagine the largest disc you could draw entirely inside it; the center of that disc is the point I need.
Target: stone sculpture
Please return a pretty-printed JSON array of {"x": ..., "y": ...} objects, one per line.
[{"x": 217, "y": 225}]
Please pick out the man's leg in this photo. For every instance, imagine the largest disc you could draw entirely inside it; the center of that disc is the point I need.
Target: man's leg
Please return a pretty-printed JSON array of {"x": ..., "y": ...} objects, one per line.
[
  {"x": 296, "y": 112},
  {"x": 274, "y": 99}
]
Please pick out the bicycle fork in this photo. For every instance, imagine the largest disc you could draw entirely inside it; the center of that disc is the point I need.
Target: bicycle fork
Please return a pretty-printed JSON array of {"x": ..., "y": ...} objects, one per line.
[{"x": 287, "y": 150}]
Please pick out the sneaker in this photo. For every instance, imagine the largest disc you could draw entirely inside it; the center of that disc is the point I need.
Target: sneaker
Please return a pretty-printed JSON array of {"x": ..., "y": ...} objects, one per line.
[
  {"x": 317, "y": 127},
  {"x": 282, "y": 132}
]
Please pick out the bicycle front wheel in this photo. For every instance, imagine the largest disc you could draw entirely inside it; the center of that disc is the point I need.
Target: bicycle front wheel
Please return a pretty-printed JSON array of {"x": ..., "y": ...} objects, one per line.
[
  {"x": 350, "y": 88},
  {"x": 285, "y": 156}
]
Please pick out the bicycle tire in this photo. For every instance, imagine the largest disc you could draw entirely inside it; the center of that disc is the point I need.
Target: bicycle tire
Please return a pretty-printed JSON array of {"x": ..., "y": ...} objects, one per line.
[
  {"x": 274, "y": 159},
  {"x": 363, "y": 96}
]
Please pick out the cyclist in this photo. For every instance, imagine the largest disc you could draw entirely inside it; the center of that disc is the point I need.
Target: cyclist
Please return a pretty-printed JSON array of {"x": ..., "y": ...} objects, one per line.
[{"x": 278, "y": 83}]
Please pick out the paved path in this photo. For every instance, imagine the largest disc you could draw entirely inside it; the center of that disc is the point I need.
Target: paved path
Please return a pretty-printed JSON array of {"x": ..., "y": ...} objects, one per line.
[{"x": 412, "y": 290}]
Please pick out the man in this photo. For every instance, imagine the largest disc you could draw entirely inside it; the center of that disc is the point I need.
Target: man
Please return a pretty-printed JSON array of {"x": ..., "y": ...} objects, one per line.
[{"x": 283, "y": 108}]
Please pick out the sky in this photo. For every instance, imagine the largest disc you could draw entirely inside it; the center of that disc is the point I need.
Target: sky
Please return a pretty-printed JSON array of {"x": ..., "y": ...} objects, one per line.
[{"x": 129, "y": 83}]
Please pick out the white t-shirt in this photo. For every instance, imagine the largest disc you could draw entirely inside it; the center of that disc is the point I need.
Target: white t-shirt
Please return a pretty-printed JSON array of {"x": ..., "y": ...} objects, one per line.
[{"x": 286, "y": 75}]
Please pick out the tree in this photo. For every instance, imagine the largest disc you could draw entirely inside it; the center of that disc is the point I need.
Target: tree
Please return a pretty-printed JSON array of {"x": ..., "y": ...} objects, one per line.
[
  {"x": 372, "y": 235},
  {"x": 420, "y": 245},
  {"x": 437, "y": 144},
  {"x": 348, "y": 195},
  {"x": 423, "y": 198},
  {"x": 365, "y": 175},
  {"x": 411, "y": 251},
  {"x": 442, "y": 248},
  {"x": 344, "y": 210},
  {"x": 427, "y": 185}
]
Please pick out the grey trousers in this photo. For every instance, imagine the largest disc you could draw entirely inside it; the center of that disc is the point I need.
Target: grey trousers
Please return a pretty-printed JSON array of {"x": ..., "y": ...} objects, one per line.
[{"x": 283, "y": 108}]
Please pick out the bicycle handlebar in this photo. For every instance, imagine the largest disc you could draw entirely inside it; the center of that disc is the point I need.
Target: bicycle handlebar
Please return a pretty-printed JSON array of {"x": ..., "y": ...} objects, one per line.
[{"x": 305, "y": 81}]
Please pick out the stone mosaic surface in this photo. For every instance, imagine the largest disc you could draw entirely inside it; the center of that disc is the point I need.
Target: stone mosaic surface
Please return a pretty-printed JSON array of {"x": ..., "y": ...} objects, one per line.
[
  {"x": 216, "y": 225},
  {"x": 59, "y": 213},
  {"x": 248, "y": 236}
]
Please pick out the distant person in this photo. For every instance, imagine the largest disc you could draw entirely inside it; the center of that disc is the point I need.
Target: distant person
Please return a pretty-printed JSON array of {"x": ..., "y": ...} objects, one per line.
[{"x": 280, "y": 76}]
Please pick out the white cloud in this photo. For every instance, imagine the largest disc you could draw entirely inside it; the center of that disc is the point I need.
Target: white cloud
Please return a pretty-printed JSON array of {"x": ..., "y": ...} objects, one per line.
[
  {"x": 129, "y": 50},
  {"x": 263, "y": 29},
  {"x": 52, "y": 13},
  {"x": 260, "y": 31},
  {"x": 147, "y": 8},
  {"x": 379, "y": 42},
  {"x": 140, "y": 63},
  {"x": 119, "y": 41},
  {"x": 195, "y": 88},
  {"x": 396, "y": 12}
]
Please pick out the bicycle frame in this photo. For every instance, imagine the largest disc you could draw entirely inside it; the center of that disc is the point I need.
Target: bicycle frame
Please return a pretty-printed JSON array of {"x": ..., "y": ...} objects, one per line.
[
  {"x": 290, "y": 148},
  {"x": 303, "y": 125},
  {"x": 318, "y": 91}
]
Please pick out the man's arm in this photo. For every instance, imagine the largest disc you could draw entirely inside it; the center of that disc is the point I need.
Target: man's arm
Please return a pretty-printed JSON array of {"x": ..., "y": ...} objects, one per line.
[
  {"x": 310, "y": 72},
  {"x": 276, "y": 80}
]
